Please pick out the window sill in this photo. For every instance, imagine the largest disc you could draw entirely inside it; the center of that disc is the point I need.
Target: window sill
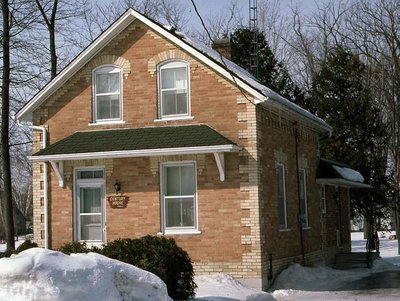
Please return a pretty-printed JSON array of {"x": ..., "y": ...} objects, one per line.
[
  {"x": 194, "y": 232},
  {"x": 285, "y": 230},
  {"x": 306, "y": 228},
  {"x": 174, "y": 118},
  {"x": 106, "y": 123}
]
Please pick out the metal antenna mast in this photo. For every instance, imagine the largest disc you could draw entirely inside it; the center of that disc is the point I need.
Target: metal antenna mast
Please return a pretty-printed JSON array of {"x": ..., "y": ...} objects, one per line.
[{"x": 254, "y": 40}]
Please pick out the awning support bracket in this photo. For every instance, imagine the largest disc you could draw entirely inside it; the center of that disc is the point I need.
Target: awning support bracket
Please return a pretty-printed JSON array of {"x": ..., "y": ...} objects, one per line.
[
  {"x": 58, "y": 167},
  {"x": 220, "y": 160}
]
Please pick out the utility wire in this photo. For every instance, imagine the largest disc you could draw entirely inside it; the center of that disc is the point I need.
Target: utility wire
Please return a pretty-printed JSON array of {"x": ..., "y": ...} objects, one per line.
[{"x": 232, "y": 74}]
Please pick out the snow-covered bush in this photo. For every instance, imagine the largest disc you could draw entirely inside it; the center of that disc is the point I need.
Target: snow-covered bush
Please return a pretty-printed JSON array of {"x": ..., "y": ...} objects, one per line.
[{"x": 158, "y": 255}]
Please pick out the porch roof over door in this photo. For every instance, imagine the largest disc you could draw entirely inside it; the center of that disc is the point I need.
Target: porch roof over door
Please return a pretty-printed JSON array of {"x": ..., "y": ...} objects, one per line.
[
  {"x": 338, "y": 174},
  {"x": 137, "y": 142}
]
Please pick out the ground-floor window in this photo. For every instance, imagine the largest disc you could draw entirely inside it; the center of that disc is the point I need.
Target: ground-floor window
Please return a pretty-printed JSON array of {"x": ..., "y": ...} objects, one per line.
[
  {"x": 280, "y": 172},
  {"x": 303, "y": 198},
  {"x": 89, "y": 205},
  {"x": 323, "y": 198},
  {"x": 178, "y": 197}
]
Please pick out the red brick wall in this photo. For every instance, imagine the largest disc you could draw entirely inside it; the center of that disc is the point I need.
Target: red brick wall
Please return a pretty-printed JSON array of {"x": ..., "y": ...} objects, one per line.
[
  {"x": 277, "y": 144},
  {"x": 213, "y": 101}
]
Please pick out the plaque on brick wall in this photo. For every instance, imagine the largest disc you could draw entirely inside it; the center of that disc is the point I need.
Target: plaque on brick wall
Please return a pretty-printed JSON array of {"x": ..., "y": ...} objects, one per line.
[{"x": 118, "y": 201}]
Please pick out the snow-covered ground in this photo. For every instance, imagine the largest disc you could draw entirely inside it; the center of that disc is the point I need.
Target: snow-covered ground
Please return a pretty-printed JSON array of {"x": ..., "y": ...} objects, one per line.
[
  {"x": 323, "y": 283},
  {"x": 37, "y": 274}
]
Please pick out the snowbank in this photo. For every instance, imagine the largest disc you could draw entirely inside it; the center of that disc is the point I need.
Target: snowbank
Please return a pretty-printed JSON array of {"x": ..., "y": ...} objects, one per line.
[
  {"x": 38, "y": 274},
  {"x": 221, "y": 287},
  {"x": 321, "y": 278}
]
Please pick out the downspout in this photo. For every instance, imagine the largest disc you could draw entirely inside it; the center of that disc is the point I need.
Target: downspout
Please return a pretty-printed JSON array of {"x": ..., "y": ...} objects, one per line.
[
  {"x": 296, "y": 138},
  {"x": 45, "y": 186}
]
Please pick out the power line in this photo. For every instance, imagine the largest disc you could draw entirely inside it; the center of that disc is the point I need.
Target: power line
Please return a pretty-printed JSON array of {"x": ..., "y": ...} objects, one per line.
[{"x": 221, "y": 56}]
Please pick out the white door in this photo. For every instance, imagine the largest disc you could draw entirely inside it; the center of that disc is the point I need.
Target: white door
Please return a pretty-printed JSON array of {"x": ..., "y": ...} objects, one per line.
[{"x": 89, "y": 210}]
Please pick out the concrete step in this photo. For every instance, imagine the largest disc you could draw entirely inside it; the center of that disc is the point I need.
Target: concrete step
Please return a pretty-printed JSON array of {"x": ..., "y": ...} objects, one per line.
[{"x": 344, "y": 261}]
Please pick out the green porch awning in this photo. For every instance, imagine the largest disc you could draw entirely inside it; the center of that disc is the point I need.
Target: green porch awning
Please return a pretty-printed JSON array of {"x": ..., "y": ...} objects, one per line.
[{"x": 137, "y": 142}]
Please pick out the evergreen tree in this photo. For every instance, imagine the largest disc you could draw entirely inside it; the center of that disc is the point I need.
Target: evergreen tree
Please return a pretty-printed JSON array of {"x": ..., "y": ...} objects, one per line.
[
  {"x": 271, "y": 73},
  {"x": 341, "y": 97}
]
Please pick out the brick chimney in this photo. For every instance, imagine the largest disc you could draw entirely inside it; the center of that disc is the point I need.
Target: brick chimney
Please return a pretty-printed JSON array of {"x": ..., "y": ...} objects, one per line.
[{"x": 223, "y": 46}]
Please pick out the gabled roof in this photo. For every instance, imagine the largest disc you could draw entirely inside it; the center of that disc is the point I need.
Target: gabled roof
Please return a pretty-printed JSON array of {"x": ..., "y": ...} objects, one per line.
[
  {"x": 338, "y": 174},
  {"x": 208, "y": 56},
  {"x": 139, "y": 142}
]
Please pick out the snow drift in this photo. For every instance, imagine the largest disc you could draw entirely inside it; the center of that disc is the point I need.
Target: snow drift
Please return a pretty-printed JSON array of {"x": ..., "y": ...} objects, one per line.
[
  {"x": 39, "y": 274},
  {"x": 221, "y": 287}
]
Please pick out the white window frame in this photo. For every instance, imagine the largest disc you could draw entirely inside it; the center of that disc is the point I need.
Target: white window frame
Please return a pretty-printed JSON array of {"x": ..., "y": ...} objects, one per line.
[
  {"x": 90, "y": 183},
  {"x": 178, "y": 230},
  {"x": 302, "y": 172},
  {"x": 104, "y": 69},
  {"x": 168, "y": 65},
  {"x": 278, "y": 166},
  {"x": 322, "y": 192}
]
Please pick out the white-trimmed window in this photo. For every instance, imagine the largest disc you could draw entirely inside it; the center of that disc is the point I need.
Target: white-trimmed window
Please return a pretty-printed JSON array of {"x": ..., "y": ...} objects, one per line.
[
  {"x": 323, "y": 198},
  {"x": 280, "y": 173},
  {"x": 179, "y": 205},
  {"x": 303, "y": 198},
  {"x": 107, "y": 87},
  {"x": 173, "y": 86},
  {"x": 89, "y": 205}
]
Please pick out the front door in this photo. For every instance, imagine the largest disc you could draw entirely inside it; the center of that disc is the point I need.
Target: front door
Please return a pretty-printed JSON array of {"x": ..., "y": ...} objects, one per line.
[{"x": 89, "y": 206}]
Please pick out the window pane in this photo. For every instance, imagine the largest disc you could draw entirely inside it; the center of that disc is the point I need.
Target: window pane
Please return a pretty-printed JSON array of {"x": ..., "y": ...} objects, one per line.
[
  {"x": 90, "y": 174},
  {"x": 102, "y": 85},
  {"x": 181, "y": 103},
  {"x": 303, "y": 198},
  {"x": 187, "y": 212},
  {"x": 108, "y": 106},
  {"x": 281, "y": 196},
  {"x": 113, "y": 80},
  {"x": 173, "y": 181},
  {"x": 167, "y": 79},
  {"x": 103, "y": 107},
  {"x": 180, "y": 212},
  {"x": 187, "y": 180},
  {"x": 98, "y": 174},
  {"x": 180, "y": 78},
  {"x": 91, "y": 227},
  {"x": 107, "y": 82},
  {"x": 90, "y": 200},
  {"x": 114, "y": 106},
  {"x": 173, "y": 212},
  {"x": 169, "y": 103}
]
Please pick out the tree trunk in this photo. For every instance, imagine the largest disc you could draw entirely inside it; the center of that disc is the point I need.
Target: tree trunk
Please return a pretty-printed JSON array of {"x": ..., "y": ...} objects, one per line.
[
  {"x": 5, "y": 117},
  {"x": 53, "y": 54}
]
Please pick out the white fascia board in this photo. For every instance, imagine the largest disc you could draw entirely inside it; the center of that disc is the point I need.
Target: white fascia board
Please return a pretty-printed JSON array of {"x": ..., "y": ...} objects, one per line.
[
  {"x": 25, "y": 114},
  {"x": 342, "y": 183},
  {"x": 138, "y": 153}
]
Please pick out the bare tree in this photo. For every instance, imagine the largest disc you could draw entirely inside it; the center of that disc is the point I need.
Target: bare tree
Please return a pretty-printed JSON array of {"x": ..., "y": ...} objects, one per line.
[
  {"x": 374, "y": 31},
  {"x": 221, "y": 24},
  {"x": 5, "y": 118}
]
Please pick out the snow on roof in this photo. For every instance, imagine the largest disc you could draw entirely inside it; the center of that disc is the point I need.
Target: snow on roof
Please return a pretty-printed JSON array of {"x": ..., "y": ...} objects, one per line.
[
  {"x": 250, "y": 79},
  {"x": 349, "y": 174},
  {"x": 39, "y": 274}
]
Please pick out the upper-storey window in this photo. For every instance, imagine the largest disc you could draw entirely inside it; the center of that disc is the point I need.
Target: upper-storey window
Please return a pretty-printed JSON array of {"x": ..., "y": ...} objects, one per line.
[
  {"x": 107, "y": 86},
  {"x": 173, "y": 90}
]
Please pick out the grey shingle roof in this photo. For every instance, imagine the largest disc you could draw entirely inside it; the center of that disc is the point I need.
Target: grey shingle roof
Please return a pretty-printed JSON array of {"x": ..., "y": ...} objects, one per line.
[{"x": 136, "y": 139}]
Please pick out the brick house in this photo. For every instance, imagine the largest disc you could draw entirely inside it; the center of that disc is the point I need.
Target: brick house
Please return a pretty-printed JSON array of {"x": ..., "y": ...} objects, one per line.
[{"x": 148, "y": 132}]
